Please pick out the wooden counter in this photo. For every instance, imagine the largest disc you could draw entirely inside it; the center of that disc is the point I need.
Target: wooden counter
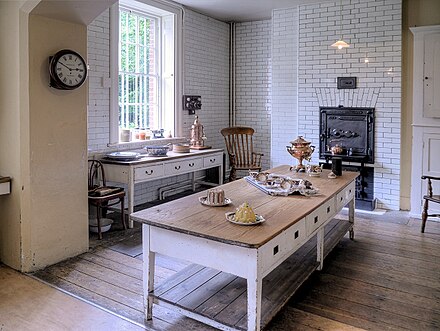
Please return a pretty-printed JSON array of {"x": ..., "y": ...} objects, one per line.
[{"x": 152, "y": 168}]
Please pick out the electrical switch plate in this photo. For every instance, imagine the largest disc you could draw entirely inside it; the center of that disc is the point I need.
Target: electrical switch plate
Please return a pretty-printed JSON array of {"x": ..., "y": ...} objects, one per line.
[{"x": 191, "y": 103}]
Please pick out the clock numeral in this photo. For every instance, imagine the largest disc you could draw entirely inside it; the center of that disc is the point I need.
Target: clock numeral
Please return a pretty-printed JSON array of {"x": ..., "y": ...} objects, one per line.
[
  {"x": 70, "y": 81},
  {"x": 65, "y": 79},
  {"x": 76, "y": 59},
  {"x": 65, "y": 59},
  {"x": 60, "y": 75},
  {"x": 80, "y": 76},
  {"x": 81, "y": 70},
  {"x": 70, "y": 57},
  {"x": 58, "y": 68}
]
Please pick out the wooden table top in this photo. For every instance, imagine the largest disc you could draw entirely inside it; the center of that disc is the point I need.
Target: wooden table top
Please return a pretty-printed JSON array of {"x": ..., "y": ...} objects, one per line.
[{"x": 188, "y": 215}]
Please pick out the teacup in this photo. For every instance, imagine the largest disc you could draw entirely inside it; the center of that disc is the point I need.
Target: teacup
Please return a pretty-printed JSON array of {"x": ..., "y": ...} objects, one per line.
[
  {"x": 253, "y": 174},
  {"x": 313, "y": 169},
  {"x": 262, "y": 177}
]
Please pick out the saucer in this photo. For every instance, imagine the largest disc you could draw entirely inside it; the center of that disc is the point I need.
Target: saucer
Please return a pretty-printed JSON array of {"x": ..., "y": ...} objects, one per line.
[{"x": 204, "y": 201}]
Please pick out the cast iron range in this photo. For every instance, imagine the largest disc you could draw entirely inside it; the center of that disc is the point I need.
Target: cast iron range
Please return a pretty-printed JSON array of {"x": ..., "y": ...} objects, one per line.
[{"x": 352, "y": 129}]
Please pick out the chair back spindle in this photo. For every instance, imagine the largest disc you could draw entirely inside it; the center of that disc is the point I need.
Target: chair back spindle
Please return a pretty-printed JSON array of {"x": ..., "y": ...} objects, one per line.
[{"x": 240, "y": 149}]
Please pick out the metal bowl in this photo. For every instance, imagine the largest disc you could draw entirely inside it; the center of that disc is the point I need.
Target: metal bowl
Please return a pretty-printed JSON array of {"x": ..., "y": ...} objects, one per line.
[{"x": 157, "y": 150}]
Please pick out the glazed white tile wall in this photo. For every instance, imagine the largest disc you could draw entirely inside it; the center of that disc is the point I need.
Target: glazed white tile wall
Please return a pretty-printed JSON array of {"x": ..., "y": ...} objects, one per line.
[
  {"x": 373, "y": 29},
  {"x": 285, "y": 24},
  {"x": 206, "y": 73},
  {"x": 253, "y": 82},
  {"x": 98, "y": 46}
]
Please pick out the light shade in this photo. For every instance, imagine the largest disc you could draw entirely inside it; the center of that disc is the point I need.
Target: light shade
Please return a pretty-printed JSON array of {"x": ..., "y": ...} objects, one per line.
[{"x": 340, "y": 44}]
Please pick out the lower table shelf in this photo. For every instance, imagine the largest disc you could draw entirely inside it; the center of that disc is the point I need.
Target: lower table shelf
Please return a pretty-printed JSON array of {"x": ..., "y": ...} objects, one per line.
[{"x": 200, "y": 292}]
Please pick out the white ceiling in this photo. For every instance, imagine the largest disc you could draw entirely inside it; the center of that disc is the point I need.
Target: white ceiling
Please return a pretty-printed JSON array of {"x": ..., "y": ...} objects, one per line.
[{"x": 242, "y": 10}]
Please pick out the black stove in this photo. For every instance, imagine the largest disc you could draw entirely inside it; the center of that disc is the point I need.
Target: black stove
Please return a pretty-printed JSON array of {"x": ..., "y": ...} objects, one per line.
[{"x": 352, "y": 129}]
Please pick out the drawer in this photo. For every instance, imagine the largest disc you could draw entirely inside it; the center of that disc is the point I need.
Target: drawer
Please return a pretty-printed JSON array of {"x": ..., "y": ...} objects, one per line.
[
  {"x": 319, "y": 216},
  {"x": 148, "y": 172},
  {"x": 278, "y": 249},
  {"x": 180, "y": 167},
  {"x": 296, "y": 235},
  {"x": 212, "y": 161},
  {"x": 343, "y": 197}
]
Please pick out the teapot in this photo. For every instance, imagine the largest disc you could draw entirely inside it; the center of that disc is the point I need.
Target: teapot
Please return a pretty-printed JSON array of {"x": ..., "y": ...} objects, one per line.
[
  {"x": 337, "y": 150},
  {"x": 301, "y": 150}
]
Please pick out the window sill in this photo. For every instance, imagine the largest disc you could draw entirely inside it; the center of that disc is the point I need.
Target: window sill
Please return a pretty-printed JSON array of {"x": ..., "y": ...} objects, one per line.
[{"x": 142, "y": 143}]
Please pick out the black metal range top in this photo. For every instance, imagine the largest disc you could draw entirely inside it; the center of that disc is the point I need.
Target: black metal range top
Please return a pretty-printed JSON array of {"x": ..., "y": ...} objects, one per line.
[{"x": 351, "y": 128}]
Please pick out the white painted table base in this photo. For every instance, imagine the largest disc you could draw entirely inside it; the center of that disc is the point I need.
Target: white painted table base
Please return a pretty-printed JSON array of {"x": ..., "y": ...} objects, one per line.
[
  {"x": 124, "y": 172},
  {"x": 249, "y": 263}
]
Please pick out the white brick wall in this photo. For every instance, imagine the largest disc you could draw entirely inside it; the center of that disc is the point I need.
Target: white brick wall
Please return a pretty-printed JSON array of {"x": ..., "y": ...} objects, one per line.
[
  {"x": 284, "y": 117},
  {"x": 253, "y": 82},
  {"x": 206, "y": 73},
  {"x": 98, "y": 43},
  {"x": 373, "y": 29},
  {"x": 206, "y": 68}
]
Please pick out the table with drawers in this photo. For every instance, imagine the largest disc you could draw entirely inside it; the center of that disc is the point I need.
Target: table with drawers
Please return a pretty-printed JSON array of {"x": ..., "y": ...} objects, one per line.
[
  {"x": 152, "y": 168},
  {"x": 224, "y": 287}
]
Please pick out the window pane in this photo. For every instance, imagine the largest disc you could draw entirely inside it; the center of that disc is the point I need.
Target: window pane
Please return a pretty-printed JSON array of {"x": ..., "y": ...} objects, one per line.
[
  {"x": 132, "y": 28},
  {"x": 139, "y": 83},
  {"x": 123, "y": 58}
]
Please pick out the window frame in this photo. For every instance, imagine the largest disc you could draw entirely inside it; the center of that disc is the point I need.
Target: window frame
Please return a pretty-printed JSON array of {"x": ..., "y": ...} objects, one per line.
[{"x": 136, "y": 6}]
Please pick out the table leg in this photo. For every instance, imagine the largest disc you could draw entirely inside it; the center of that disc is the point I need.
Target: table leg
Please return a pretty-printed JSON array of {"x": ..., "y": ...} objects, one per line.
[
  {"x": 220, "y": 174},
  {"x": 130, "y": 197},
  {"x": 351, "y": 207},
  {"x": 320, "y": 247},
  {"x": 193, "y": 178},
  {"x": 148, "y": 271},
  {"x": 254, "y": 289}
]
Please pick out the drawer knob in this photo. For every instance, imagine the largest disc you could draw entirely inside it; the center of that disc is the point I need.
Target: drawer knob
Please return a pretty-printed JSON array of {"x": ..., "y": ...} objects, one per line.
[
  {"x": 212, "y": 160},
  {"x": 191, "y": 164},
  {"x": 149, "y": 173},
  {"x": 177, "y": 167}
]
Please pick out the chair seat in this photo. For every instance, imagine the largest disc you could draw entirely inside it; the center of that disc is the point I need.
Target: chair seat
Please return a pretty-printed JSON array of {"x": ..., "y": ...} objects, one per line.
[
  {"x": 434, "y": 198},
  {"x": 105, "y": 191},
  {"x": 102, "y": 196}
]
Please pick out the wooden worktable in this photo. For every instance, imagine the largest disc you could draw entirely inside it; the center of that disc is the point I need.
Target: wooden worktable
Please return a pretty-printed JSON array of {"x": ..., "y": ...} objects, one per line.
[{"x": 222, "y": 250}]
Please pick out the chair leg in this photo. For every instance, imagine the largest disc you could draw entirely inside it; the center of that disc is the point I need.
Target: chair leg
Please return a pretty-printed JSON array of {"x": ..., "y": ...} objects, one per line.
[
  {"x": 98, "y": 221},
  {"x": 424, "y": 215},
  {"x": 232, "y": 174},
  {"x": 123, "y": 214}
]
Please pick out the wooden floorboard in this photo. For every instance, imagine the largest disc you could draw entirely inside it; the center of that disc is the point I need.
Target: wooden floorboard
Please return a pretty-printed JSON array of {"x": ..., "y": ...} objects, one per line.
[{"x": 388, "y": 278}]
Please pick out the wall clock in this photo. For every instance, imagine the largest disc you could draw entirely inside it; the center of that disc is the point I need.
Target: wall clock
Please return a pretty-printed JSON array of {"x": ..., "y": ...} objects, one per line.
[{"x": 67, "y": 70}]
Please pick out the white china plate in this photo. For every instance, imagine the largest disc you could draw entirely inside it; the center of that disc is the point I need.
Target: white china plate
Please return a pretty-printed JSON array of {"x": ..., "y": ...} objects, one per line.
[
  {"x": 231, "y": 218},
  {"x": 314, "y": 174},
  {"x": 203, "y": 201},
  {"x": 123, "y": 155}
]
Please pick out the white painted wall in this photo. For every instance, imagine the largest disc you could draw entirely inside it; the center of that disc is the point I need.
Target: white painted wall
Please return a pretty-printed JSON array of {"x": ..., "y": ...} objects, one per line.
[
  {"x": 43, "y": 143},
  {"x": 57, "y": 216},
  {"x": 10, "y": 127}
]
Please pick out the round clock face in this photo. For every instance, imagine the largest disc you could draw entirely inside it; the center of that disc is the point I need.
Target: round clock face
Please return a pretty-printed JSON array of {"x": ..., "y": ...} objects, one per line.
[{"x": 68, "y": 70}]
